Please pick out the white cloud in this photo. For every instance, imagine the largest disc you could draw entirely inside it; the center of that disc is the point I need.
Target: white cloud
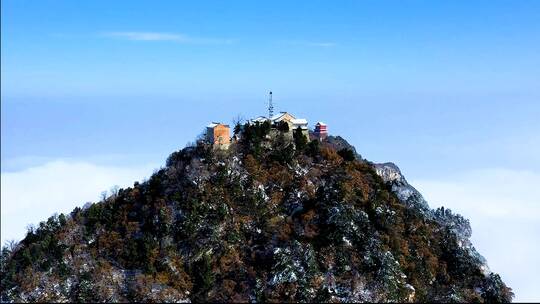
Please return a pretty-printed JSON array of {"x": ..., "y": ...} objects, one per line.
[
  {"x": 504, "y": 209},
  {"x": 32, "y": 195},
  {"x": 323, "y": 44},
  {"x": 161, "y": 36}
]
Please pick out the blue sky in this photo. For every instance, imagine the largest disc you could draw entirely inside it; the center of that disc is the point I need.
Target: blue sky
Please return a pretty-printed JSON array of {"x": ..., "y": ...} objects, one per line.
[{"x": 449, "y": 91}]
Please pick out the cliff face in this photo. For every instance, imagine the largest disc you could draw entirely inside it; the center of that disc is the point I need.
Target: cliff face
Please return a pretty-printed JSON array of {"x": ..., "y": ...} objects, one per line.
[{"x": 270, "y": 219}]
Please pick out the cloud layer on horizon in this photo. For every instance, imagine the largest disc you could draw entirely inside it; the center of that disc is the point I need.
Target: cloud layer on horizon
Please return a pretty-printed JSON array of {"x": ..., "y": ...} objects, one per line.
[
  {"x": 501, "y": 204},
  {"x": 33, "y": 194},
  {"x": 504, "y": 210}
]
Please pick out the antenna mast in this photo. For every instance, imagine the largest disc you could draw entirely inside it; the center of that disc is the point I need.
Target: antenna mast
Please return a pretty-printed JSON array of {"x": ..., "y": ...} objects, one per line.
[{"x": 270, "y": 106}]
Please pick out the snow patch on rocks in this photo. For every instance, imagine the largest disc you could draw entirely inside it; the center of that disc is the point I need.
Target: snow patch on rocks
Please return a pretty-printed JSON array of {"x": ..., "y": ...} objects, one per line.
[{"x": 406, "y": 193}]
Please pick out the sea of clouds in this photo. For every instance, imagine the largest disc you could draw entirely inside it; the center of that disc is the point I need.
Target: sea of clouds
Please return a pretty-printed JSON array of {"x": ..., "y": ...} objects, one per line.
[{"x": 502, "y": 205}]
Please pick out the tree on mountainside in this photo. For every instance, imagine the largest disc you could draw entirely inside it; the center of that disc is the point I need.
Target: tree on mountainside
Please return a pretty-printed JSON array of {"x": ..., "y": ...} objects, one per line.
[{"x": 300, "y": 140}]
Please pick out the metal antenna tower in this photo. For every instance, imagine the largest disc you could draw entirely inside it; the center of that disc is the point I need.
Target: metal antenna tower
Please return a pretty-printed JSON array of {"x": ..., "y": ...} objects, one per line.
[{"x": 270, "y": 107}]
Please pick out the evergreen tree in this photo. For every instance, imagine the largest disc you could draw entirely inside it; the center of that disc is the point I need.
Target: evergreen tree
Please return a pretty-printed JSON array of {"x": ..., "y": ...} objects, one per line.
[{"x": 300, "y": 140}]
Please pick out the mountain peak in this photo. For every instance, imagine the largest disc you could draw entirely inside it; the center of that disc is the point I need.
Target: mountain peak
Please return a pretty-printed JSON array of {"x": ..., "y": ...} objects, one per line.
[{"x": 280, "y": 214}]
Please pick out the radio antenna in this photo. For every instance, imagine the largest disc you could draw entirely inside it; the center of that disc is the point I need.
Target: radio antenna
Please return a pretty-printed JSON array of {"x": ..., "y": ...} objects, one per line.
[{"x": 270, "y": 106}]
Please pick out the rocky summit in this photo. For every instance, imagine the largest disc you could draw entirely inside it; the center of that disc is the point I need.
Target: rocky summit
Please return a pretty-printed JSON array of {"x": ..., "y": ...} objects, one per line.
[{"x": 271, "y": 218}]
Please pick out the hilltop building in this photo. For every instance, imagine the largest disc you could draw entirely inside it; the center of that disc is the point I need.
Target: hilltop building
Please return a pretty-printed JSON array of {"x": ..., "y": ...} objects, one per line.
[
  {"x": 321, "y": 130},
  {"x": 283, "y": 116},
  {"x": 218, "y": 134},
  {"x": 259, "y": 119},
  {"x": 293, "y": 122}
]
